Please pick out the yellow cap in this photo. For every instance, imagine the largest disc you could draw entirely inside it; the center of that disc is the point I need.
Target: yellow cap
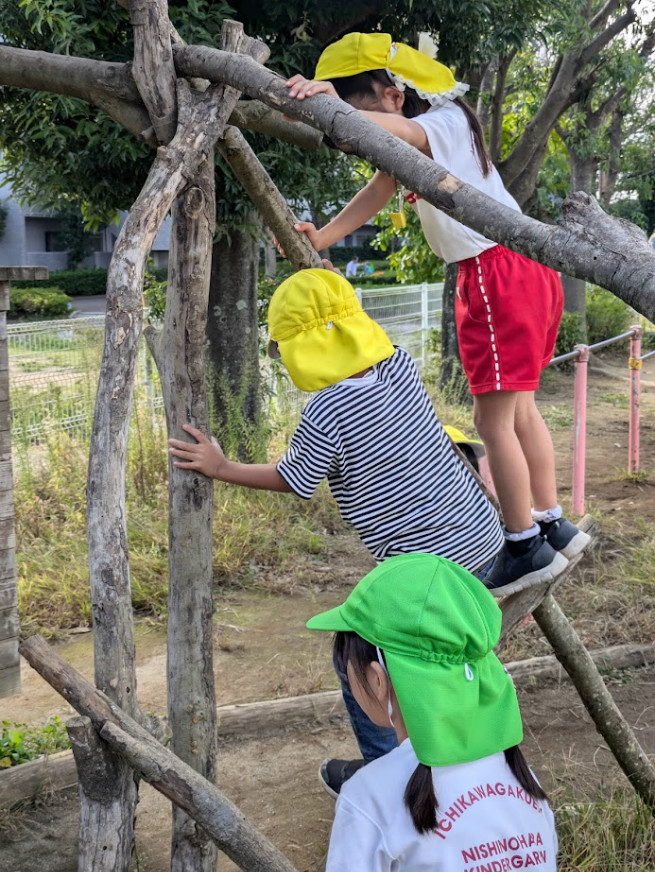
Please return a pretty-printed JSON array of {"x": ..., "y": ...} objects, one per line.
[
  {"x": 462, "y": 439},
  {"x": 362, "y": 52},
  {"x": 322, "y": 332}
]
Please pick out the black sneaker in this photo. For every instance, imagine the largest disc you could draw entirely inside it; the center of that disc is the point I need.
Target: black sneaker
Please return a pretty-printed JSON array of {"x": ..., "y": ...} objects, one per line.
[
  {"x": 565, "y": 537},
  {"x": 510, "y": 574},
  {"x": 333, "y": 774}
]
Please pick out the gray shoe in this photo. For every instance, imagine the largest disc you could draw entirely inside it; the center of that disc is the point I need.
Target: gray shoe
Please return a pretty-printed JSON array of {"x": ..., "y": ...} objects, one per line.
[
  {"x": 333, "y": 774},
  {"x": 565, "y": 537},
  {"x": 510, "y": 574}
]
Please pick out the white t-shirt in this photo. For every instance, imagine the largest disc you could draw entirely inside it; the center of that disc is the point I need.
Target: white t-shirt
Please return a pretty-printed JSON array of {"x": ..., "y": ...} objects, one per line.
[
  {"x": 486, "y": 821},
  {"x": 351, "y": 268},
  {"x": 452, "y": 146},
  {"x": 391, "y": 468}
]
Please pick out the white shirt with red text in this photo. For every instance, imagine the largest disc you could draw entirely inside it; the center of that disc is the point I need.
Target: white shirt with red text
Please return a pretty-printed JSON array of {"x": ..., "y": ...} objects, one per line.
[{"x": 486, "y": 821}]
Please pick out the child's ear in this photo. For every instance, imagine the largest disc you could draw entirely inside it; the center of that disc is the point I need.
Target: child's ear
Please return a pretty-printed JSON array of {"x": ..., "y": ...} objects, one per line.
[
  {"x": 396, "y": 97},
  {"x": 378, "y": 682}
]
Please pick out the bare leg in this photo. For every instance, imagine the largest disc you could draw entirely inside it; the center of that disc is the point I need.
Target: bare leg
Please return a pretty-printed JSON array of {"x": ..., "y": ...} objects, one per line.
[
  {"x": 494, "y": 414},
  {"x": 538, "y": 451}
]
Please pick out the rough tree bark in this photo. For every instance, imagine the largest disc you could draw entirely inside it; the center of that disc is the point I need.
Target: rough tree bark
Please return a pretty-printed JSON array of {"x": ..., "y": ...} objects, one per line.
[
  {"x": 111, "y": 87},
  {"x": 179, "y": 351},
  {"x": 200, "y": 123},
  {"x": 452, "y": 379},
  {"x": 237, "y": 838}
]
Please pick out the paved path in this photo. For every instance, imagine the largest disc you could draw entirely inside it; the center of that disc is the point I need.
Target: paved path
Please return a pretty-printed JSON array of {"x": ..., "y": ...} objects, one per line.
[{"x": 83, "y": 306}]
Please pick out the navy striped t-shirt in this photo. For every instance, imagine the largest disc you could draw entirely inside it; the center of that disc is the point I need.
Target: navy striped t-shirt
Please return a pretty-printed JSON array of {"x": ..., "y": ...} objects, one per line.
[{"x": 391, "y": 468}]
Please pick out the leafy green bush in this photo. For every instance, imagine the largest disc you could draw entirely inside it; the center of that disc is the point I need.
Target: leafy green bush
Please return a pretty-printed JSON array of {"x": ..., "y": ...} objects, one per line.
[
  {"x": 76, "y": 282},
  {"x": 20, "y": 743},
  {"x": 607, "y": 316},
  {"x": 570, "y": 333},
  {"x": 37, "y": 302}
]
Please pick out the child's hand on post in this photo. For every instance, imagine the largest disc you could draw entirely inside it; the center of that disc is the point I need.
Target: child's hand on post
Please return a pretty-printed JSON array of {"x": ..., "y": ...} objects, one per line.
[{"x": 204, "y": 455}]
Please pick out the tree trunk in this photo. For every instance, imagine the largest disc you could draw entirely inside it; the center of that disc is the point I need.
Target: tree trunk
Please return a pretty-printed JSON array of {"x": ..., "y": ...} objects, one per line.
[
  {"x": 583, "y": 175},
  {"x": 180, "y": 354},
  {"x": 233, "y": 332},
  {"x": 452, "y": 379}
]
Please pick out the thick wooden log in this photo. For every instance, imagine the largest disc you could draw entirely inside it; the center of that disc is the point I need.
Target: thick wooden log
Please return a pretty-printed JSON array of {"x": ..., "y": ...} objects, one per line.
[
  {"x": 586, "y": 242},
  {"x": 102, "y": 848},
  {"x": 263, "y": 192},
  {"x": 597, "y": 699},
  {"x": 204, "y": 802},
  {"x": 255, "y": 719},
  {"x": 9, "y": 631},
  {"x": 152, "y": 68},
  {"x": 179, "y": 351}
]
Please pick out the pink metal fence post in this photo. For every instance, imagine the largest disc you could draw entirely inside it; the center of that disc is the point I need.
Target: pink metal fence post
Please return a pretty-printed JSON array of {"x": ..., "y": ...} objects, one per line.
[
  {"x": 634, "y": 363},
  {"x": 580, "y": 427}
]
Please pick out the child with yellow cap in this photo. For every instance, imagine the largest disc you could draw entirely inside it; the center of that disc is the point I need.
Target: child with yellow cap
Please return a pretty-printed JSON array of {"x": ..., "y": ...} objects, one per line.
[
  {"x": 372, "y": 432},
  {"x": 416, "y": 639},
  {"x": 507, "y": 307}
]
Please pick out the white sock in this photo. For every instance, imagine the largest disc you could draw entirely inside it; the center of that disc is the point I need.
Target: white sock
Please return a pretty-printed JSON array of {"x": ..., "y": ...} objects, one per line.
[
  {"x": 553, "y": 514},
  {"x": 522, "y": 534}
]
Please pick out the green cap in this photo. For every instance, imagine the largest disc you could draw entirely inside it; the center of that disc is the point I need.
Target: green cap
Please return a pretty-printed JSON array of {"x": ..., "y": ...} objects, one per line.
[{"x": 437, "y": 626}]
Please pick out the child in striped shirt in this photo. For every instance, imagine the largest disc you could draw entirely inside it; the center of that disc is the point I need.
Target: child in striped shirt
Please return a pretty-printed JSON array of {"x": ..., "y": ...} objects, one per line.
[{"x": 371, "y": 430}]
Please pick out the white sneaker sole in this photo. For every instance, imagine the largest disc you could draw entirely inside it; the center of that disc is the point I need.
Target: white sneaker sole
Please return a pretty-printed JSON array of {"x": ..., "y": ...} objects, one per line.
[
  {"x": 576, "y": 545},
  {"x": 548, "y": 573}
]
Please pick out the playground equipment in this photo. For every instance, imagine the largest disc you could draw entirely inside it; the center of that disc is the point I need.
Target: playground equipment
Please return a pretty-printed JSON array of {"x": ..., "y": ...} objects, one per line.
[
  {"x": 186, "y": 121},
  {"x": 580, "y": 356}
]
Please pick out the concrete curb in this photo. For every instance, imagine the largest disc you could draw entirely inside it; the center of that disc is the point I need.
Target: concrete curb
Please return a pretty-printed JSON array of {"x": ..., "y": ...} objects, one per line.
[{"x": 248, "y": 720}]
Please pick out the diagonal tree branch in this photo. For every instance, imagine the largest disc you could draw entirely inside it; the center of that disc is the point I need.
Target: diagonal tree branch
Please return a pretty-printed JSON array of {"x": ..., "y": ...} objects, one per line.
[
  {"x": 596, "y": 45},
  {"x": 263, "y": 192}
]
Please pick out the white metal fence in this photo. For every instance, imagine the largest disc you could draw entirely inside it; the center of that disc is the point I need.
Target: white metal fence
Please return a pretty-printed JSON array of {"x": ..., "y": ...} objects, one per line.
[{"x": 54, "y": 365}]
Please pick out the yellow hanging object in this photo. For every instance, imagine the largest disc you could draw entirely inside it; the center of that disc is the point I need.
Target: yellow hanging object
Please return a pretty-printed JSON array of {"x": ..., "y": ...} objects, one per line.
[{"x": 398, "y": 218}]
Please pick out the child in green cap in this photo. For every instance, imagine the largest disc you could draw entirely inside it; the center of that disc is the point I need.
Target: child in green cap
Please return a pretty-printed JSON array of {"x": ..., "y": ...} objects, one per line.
[{"x": 416, "y": 639}]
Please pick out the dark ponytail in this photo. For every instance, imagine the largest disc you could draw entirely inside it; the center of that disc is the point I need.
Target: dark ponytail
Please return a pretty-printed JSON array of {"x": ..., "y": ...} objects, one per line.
[
  {"x": 362, "y": 85},
  {"x": 421, "y": 800},
  {"x": 521, "y": 771}
]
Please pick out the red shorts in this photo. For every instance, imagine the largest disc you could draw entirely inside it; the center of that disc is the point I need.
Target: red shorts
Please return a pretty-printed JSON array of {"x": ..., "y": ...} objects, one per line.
[{"x": 507, "y": 310}]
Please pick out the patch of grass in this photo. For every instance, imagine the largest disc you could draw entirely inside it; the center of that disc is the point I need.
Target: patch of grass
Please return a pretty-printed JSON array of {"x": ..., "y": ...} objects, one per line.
[
  {"x": 557, "y": 417},
  {"x": 253, "y": 531},
  {"x": 623, "y": 474},
  {"x": 605, "y": 834},
  {"x": 620, "y": 401}
]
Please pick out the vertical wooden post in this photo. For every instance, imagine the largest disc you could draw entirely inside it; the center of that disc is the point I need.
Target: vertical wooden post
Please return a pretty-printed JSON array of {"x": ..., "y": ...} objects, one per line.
[{"x": 9, "y": 660}]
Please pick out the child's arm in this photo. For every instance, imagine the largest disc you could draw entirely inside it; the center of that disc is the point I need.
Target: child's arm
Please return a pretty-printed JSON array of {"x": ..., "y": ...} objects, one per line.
[
  {"x": 363, "y": 206},
  {"x": 206, "y": 456},
  {"x": 404, "y": 128}
]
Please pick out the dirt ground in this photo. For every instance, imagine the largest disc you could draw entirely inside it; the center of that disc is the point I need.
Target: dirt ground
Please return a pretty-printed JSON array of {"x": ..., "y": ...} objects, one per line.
[{"x": 263, "y": 651}]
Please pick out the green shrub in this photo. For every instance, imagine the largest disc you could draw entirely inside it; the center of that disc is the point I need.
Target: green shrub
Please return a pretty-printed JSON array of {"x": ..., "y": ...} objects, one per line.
[
  {"x": 20, "y": 743},
  {"x": 570, "y": 333},
  {"x": 37, "y": 302},
  {"x": 607, "y": 316},
  {"x": 75, "y": 282}
]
